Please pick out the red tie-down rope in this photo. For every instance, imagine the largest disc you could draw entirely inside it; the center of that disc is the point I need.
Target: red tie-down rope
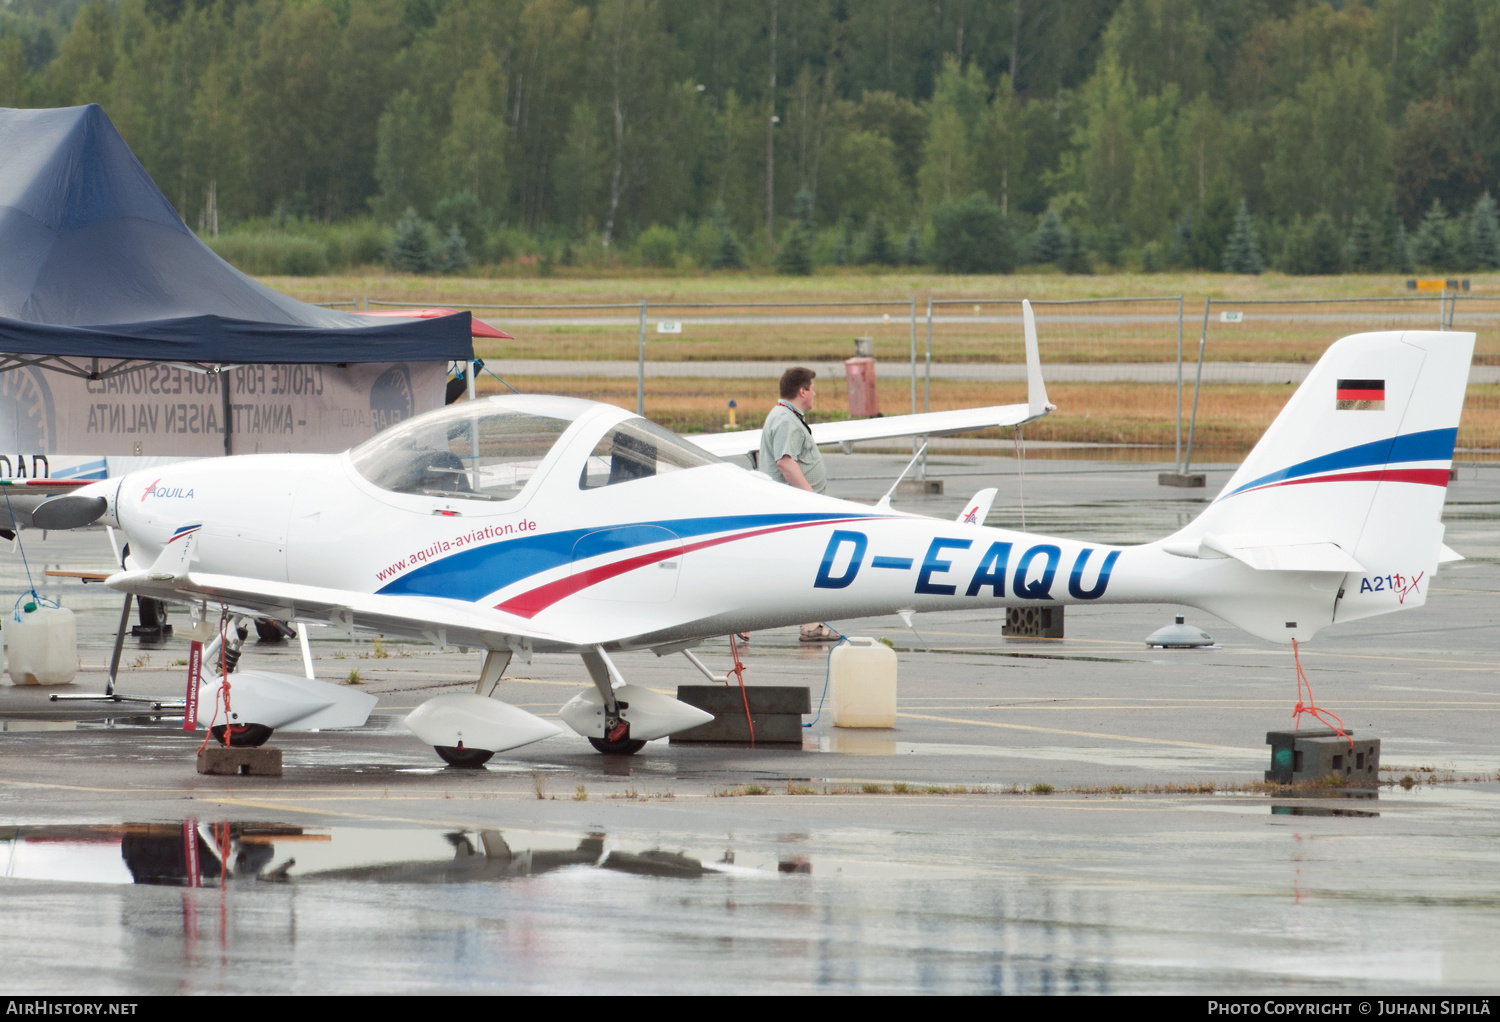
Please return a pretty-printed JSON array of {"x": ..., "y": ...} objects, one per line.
[
  {"x": 739, "y": 672},
  {"x": 222, "y": 697},
  {"x": 1310, "y": 706}
]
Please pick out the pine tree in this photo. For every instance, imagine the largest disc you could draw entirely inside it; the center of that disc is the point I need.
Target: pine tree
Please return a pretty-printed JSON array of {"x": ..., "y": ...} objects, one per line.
[
  {"x": 1401, "y": 251},
  {"x": 730, "y": 254},
  {"x": 1363, "y": 252},
  {"x": 453, "y": 257},
  {"x": 411, "y": 247},
  {"x": 1050, "y": 242},
  {"x": 1150, "y": 257},
  {"x": 878, "y": 250},
  {"x": 1430, "y": 246},
  {"x": 1075, "y": 257},
  {"x": 911, "y": 249},
  {"x": 1115, "y": 238},
  {"x": 1180, "y": 254},
  {"x": 1242, "y": 250},
  {"x": 1486, "y": 229},
  {"x": 795, "y": 258},
  {"x": 1327, "y": 247}
]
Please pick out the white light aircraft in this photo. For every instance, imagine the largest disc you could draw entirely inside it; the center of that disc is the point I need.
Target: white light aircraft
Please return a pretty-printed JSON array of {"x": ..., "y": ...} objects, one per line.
[{"x": 519, "y": 524}]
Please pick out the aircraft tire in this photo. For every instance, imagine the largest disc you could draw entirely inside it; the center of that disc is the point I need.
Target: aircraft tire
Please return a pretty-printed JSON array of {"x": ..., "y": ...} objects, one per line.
[
  {"x": 269, "y": 631},
  {"x": 469, "y": 759},
  {"x": 623, "y": 747},
  {"x": 242, "y": 736}
]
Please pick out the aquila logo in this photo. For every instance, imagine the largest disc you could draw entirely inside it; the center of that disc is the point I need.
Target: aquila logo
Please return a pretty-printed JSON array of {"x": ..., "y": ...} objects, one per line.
[{"x": 165, "y": 491}]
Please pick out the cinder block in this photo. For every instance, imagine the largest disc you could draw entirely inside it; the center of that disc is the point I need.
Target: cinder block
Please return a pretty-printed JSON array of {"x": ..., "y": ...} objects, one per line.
[
  {"x": 1318, "y": 754},
  {"x": 218, "y": 759},
  {"x": 775, "y": 710},
  {"x": 919, "y": 488},
  {"x": 1184, "y": 480},
  {"x": 1033, "y": 622}
]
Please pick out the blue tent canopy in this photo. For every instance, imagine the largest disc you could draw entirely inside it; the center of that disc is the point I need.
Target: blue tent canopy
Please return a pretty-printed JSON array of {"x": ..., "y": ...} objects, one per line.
[{"x": 96, "y": 264}]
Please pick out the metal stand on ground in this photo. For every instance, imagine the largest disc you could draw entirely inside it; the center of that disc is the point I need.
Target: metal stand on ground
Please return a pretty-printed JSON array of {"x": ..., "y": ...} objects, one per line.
[{"x": 110, "y": 695}]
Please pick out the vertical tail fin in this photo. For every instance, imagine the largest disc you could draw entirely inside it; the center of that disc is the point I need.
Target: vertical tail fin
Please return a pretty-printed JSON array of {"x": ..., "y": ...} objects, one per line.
[{"x": 1358, "y": 459}]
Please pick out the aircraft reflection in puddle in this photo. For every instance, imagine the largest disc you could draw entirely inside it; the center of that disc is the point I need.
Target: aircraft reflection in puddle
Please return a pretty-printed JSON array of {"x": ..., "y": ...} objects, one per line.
[{"x": 191, "y": 854}]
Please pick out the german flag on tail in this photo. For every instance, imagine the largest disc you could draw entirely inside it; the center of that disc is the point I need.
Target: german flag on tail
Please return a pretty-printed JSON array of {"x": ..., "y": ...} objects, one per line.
[{"x": 1361, "y": 396}]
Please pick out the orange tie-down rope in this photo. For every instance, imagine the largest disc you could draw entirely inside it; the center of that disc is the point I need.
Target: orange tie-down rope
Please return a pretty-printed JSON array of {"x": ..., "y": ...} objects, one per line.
[
  {"x": 739, "y": 672},
  {"x": 1310, "y": 706}
]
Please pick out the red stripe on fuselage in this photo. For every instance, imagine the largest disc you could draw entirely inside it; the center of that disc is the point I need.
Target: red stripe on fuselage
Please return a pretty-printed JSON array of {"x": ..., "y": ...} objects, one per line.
[
  {"x": 1424, "y": 476},
  {"x": 532, "y": 602}
]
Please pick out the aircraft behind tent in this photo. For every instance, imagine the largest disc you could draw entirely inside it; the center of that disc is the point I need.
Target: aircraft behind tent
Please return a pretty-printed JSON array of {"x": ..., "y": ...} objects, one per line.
[{"x": 525, "y": 524}]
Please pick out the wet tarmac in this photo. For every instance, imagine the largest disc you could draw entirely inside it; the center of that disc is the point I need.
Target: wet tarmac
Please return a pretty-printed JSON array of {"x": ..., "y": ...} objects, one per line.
[{"x": 1075, "y": 815}]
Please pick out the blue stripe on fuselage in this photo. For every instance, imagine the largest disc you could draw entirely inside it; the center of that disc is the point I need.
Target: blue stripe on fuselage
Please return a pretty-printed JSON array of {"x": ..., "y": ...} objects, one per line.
[
  {"x": 1429, "y": 445},
  {"x": 478, "y": 571}
]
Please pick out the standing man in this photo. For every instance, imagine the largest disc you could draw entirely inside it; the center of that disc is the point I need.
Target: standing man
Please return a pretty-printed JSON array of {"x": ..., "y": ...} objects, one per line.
[{"x": 788, "y": 454}]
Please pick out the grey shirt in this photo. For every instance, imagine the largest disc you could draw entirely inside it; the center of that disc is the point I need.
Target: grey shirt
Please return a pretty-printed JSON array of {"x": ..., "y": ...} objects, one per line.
[{"x": 786, "y": 433}]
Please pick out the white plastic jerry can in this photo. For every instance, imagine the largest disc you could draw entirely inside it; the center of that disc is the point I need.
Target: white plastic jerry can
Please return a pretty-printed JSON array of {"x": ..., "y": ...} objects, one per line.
[
  {"x": 862, "y": 683},
  {"x": 43, "y": 646}
]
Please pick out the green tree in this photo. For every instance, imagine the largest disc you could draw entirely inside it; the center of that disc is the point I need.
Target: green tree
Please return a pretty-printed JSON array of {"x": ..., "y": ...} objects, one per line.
[
  {"x": 1050, "y": 241},
  {"x": 877, "y": 243},
  {"x": 403, "y": 156},
  {"x": 657, "y": 246},
  {"x": 947, "y": 170},
  {"x": 411, "y": 245},
  {"x": 1000, "y": 146},
  {"x": 865, "y": 179},
  {"x": 1365, "y": 251},
  {"x": 795, "y": 257},
  {"x": 1313, "y": 247},
  {"x": 472, "y": 153},
  {"x": 1331, "y": 146},
  {"x": 1075, "y": 253},
  {"x": 1161, "y": 43},
  {"x": 1106, "y": 142},
  {"x": 1242, "y": 251},
  {"x": 971, "y": 236},
  {"x": 1486, "y": 230},
  {"x": 1431, "y": 245}
]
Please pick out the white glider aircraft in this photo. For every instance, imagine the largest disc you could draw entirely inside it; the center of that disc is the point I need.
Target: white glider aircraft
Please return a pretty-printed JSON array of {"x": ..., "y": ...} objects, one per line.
[{"x": 522, "y": 524}]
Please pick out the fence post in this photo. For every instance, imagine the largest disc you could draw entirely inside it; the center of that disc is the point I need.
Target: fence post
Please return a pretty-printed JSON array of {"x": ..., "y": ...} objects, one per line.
[
  {"x": 640, "y": 367},
  {"x": 1193, "y": 422},
  {"x": 1178, "y": 458}
]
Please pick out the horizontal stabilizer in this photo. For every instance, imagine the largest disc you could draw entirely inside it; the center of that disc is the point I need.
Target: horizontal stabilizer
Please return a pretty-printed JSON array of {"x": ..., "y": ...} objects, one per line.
[{"x": 1269, "y": 552}]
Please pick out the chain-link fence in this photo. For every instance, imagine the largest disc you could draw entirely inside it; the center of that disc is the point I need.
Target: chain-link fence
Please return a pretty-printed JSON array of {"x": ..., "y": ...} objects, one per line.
[
  {"x": 1116, "y": 368},
  {"x": 1252, "y": 354}
]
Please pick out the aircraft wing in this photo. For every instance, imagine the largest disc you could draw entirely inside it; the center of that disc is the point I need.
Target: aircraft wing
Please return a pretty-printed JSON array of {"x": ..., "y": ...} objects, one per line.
[
  {"x": 440, "y": 621},
  {"x": 963, "y": 420}
]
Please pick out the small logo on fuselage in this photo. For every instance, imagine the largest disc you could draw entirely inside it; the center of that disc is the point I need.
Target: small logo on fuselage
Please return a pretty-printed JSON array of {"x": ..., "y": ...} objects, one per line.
[{"x": 165, "y": 491}]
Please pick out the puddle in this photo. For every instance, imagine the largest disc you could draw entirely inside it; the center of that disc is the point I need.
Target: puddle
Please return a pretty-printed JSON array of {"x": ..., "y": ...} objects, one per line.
[
  {"x": 193, "y": 854},
  {"x": 1319, "y": 811},
  {"x": 38, "y": 725}
]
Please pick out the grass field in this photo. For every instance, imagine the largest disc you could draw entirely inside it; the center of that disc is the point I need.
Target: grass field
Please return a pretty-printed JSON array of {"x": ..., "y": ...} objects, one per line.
[{"x": 983, "y": 327}]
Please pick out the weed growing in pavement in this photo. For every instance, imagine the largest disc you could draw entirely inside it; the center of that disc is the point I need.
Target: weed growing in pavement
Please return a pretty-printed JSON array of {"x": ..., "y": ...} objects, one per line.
[
  {"x": 580, "y": 794},
  {"x": 539, "y": 784},
  {"x": 353, "y": 678}
]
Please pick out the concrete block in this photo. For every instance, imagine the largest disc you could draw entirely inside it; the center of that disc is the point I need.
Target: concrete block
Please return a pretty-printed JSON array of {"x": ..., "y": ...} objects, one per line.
[
  {"x": 1185, "y": 480},
  {"x": 1033, "y": 622},
  {"x": 775, "y": 710},
  {"x": 259, "y": 762},
  {"x": 919, "y": 488},
  {"x": 1318, "y": 754}
]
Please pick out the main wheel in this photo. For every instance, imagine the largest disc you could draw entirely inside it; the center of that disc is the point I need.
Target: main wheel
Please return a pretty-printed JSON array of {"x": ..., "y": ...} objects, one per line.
[
  {"x": 467, "y": 758},
  {"x": 621, "y": 747},
  {"x": 269, "y": 631},
  {"x": 241, "y": 736}
]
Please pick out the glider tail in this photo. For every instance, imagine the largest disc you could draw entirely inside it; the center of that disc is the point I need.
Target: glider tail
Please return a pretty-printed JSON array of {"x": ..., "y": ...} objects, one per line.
[{"x": 1347, "y": 484}]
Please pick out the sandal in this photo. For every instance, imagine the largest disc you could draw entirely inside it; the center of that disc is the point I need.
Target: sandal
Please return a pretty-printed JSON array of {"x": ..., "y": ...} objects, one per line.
[{"x": 822, "y": 633}]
